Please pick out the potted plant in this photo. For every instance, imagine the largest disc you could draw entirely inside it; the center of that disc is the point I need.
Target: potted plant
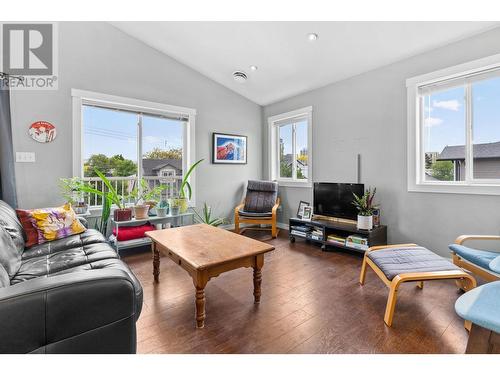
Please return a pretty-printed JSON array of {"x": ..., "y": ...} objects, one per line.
[
  {"x": 365, "y": 207},
  {"x": 181, "y": 201},
  {"x": 109, "y": 197},
  {"x": 174, "y": 204},
  {"x": 145, "y": 198},
  {"x": 162, "y": 208},
  {"x": 205, "y": 216},
  {"x": 70, "y": 190}
]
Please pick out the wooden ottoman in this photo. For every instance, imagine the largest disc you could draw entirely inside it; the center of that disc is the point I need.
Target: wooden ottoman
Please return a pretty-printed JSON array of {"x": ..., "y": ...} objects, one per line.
[{"x": 396, "y": 264}]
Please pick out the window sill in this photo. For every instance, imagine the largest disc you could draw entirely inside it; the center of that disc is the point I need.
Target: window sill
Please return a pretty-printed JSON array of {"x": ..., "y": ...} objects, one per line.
[
  {"x": 477, "y": 189},
  {"x": 298, "y": 184}
]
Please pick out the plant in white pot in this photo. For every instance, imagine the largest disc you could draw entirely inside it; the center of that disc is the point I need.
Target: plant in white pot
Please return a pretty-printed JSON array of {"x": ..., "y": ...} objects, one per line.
[
  {"x": 145, "y": 197},
  {"x": 365, "y": 207},
  {"x": 180, "y": 202}
]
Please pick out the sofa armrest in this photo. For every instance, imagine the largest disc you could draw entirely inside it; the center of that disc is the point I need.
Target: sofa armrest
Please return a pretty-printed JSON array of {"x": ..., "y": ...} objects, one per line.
[
  {"x": 466, "y": 237},
  {"x": 56, "y": 314},
  {"x": 84, "y": 221}
]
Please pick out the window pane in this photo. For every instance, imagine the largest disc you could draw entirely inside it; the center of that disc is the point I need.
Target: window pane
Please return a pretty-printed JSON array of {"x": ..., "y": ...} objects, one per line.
[
  {"x": 486, "y": 129},
  {"x": 444, "y": 135},
  {"x": 109, "y": 145},
  {"x": 162, "y": 153},
  {"x": 301, "y": 149},
  {"x": 286, "y": 159}
]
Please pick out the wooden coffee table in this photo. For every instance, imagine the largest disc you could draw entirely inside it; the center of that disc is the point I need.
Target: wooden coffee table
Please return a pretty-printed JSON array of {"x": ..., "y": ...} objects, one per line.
[{"x": 205, "y": 252}]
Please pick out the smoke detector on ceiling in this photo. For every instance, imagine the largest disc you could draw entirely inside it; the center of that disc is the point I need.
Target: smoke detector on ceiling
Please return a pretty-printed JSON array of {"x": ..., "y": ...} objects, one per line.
[{"x": 240, "y": 76}]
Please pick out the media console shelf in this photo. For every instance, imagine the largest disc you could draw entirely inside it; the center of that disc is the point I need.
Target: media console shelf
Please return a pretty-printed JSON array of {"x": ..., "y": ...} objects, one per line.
[{"x": 325, "y": 228}]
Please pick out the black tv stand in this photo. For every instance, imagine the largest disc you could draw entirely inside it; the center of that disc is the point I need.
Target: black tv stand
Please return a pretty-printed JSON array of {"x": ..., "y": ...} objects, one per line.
[{"x": 376, "y": 236}]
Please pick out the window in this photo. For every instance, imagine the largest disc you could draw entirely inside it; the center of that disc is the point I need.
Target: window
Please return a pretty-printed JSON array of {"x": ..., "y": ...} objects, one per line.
[
  {"x": 289, "y": 147},
  {"x": 454, "y": 129},
  {"x": 129, "y": 140}
]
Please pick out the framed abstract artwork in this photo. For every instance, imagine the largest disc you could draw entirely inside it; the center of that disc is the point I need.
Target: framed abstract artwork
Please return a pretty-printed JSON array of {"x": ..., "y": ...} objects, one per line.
[{"x": 229, "y": 149}]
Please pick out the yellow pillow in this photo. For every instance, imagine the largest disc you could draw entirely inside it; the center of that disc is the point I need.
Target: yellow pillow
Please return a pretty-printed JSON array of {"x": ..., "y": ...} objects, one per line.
[{"x": 55, "y": 223}]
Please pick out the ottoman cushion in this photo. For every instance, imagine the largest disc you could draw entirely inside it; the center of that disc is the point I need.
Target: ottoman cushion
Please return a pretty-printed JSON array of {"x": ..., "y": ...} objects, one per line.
[{"x": 395, "y": 261}]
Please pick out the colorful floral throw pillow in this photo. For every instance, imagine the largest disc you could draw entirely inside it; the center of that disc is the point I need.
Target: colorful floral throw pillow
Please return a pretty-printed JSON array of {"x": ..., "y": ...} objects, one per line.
[{"x": 49, "y": 223}]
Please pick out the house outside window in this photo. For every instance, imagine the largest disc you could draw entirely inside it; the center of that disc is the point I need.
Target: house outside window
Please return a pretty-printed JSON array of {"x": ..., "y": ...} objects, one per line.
[
  {"x": 290, "y": 141},
  {"x": 454, "y": 129},
  {"x": 129, "y": 140}
]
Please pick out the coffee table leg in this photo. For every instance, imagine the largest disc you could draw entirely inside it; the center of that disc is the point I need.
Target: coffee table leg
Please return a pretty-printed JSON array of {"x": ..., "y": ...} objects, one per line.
[
  {"x": 200, "y": 307},
  {"x": 257, "y": 277},
  {"x": 156, "y": 263}
]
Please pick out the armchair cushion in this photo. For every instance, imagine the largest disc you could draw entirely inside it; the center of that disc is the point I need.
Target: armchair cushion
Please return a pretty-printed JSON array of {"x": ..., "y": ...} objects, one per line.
[
  {"x": 261, "y": 196},
  {"x": 255, "y": 214},
  {"x": 481, "y": 258}
]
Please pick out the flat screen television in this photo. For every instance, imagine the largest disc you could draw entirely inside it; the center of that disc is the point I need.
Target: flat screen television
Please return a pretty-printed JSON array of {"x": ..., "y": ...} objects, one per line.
[{"x": 335, "y": 199}]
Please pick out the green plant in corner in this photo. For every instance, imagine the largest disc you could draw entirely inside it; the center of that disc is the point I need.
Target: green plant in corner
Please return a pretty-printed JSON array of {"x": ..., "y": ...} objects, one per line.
[
  {"x": 70, "y": 188},
  {"x": 205, "y": 217},
  {"x": 364, "y": 203}
]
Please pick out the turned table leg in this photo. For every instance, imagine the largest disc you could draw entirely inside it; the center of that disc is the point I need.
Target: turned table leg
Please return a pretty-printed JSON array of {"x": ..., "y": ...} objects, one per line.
[
  {"x": 156, "y": 263},
  {"x": 257, "y": 277},
  {"x": 200, "y": 307}
]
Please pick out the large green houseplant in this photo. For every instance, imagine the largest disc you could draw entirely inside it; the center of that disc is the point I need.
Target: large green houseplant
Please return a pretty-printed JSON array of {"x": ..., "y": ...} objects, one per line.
[
  {"x": 185, "y": 192},
  {"x": 109, "y": 197}
]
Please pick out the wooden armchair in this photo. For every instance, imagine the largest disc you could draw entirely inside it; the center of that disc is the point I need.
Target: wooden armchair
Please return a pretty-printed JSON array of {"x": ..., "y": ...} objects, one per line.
[
  {"x": 259, "y": 207},
  {"x": 483, "y": 263}
]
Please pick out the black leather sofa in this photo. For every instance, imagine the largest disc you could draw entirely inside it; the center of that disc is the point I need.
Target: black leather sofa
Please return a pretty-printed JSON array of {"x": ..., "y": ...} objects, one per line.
[{"x": 72, "y": 295}]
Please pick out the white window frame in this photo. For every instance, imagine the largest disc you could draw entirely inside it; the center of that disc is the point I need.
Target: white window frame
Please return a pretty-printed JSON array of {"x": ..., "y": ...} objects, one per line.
[
  {"x": 83, "y": 97},
  {"x": 415, "y": 154},
  {"x": 274, "y": 123}
]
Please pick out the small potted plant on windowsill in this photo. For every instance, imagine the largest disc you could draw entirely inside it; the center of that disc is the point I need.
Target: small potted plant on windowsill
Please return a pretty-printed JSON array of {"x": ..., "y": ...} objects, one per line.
[
  {"x": 145, "y": 198},
  {"x": 365, "y": 207},
  {"x": 70, "y": 190},
  {"x": 181, "y": 202},
  {"x": 162, "y": 208}
]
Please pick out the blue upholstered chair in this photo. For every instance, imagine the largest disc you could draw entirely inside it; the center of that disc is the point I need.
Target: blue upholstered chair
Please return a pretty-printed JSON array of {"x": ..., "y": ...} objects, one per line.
[
  {"x": 485, "y": 264},
  {"x": 259, "y": 207},
  {"x": 481, "y": 307}
]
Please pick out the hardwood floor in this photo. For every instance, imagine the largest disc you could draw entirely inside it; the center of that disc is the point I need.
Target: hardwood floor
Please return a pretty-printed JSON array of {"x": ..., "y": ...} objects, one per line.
[{"x": 311, "y": 303}]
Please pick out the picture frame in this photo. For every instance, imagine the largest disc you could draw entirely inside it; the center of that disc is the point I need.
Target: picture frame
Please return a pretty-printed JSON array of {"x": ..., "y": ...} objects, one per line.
[
  {"x": 307, "y": 213},
  {"x": 300, "y": 210},
  {"x": 229, "y": 148}
]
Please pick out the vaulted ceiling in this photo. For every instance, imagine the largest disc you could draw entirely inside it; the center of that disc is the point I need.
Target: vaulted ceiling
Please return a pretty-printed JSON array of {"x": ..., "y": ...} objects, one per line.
[{"x": 287, "y": 62}]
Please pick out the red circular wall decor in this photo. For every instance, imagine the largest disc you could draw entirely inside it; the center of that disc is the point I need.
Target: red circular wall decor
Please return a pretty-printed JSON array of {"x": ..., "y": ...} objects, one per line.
[{"x": 42, "y": 131}]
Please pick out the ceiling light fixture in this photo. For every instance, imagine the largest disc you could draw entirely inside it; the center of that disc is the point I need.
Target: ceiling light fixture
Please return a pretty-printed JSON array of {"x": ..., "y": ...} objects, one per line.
[
  {"x": 312, "y": 37},
  {"x": 240, "y": 76},
  {"x": 253, "y": 68}
]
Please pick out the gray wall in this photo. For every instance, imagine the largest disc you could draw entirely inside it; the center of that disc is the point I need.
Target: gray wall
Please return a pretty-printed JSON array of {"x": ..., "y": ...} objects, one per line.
[
  {"x": 366, "y": 114},
  {"x": 99, "y": 57}
]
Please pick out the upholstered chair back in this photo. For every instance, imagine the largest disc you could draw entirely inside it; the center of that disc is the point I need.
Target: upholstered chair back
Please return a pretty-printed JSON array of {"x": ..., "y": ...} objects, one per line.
[{"x": 261, "y": 196}]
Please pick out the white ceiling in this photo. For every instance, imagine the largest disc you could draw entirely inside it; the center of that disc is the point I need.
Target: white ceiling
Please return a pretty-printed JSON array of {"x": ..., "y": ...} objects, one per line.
[{"x": 288, "y": 63}]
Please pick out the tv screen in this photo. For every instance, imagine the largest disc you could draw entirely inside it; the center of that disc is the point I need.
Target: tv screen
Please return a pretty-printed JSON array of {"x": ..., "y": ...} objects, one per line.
[{"x": 333, "y": 199}]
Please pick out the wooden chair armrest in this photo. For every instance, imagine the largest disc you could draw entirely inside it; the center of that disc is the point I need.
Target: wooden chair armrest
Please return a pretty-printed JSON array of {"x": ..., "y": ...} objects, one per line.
[
  {"x": 275, "y": 207},
  {"x": 374, "y": 248},
  {"x": 466, "y": 237},
  {"x": 239, "y": 207}
]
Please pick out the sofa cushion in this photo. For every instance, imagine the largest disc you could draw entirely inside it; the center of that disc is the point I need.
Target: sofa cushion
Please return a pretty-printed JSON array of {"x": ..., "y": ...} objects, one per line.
[
  {"x": 10, "y": 222},
  {"x": 10, "y": 257},
  {"x": 90, "y": 236},
  {"x": 482, "y": 258},
  {"x": 261, "y": 196},
  {"x": 396, "y": 261}
]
